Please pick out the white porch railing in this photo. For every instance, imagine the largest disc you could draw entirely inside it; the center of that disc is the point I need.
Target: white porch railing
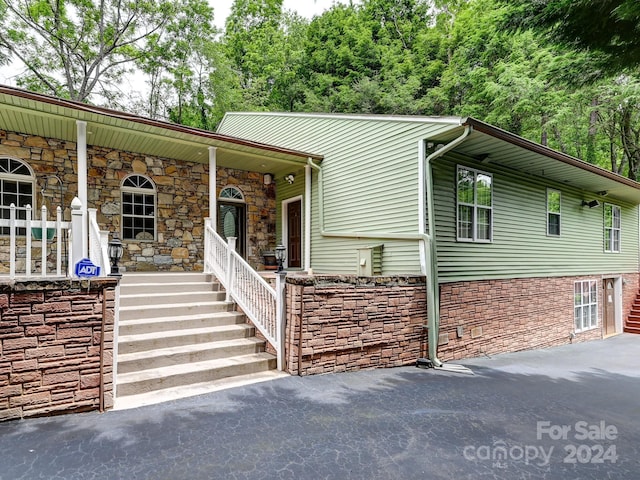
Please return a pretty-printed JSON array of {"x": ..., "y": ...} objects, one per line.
[
  {"x": 42, "y": 228},
  {"x": 21, "y": 243},
  {"x": 263, "y": 304}
]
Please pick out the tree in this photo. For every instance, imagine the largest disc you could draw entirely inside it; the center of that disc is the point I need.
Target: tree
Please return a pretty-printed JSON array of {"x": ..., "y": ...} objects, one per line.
[
  {"x": 77, "y": 48},
  {"x": 610, "y": 28}
]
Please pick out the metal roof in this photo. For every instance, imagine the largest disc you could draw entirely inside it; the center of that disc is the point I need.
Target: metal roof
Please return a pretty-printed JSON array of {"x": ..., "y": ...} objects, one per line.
[{"x": 36, "y": 114}]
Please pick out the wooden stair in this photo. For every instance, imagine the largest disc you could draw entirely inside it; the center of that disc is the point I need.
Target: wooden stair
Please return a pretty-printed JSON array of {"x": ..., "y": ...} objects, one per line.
[
  {"x": 632, "y": 322},
  {"x": 178, "y": 337}
]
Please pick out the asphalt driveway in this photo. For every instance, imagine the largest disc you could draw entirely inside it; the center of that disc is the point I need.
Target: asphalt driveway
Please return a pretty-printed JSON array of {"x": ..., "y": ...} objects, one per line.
[{"x": 571, "y": 412}]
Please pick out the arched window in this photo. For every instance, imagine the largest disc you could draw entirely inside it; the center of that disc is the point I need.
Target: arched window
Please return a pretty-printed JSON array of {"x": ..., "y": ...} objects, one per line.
[
  {"x": 231, "y": 194},
  {"x": 17, "y": 184},
  {"x": 138, "y": 208}
]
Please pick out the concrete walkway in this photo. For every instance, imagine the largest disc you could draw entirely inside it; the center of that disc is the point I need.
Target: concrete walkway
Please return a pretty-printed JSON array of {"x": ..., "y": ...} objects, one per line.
[{"x": 571, "y": 412}]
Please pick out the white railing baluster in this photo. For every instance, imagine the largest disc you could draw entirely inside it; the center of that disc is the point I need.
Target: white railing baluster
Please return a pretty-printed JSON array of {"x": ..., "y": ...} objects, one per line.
[
  {"x": 43, "y": 240},
  {"x": 28, "y": 241},
  {"x": 12, "y": 241}
]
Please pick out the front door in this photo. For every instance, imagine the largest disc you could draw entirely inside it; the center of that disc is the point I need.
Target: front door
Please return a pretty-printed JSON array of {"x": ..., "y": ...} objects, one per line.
[
  {"x": 232, "y": 223},
  {"x": 294, "y": 234},
  {"x": 609, "y": 307}
]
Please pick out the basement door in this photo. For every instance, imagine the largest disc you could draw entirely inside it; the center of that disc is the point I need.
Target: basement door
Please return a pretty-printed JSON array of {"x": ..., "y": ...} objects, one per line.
[
  {"x": 609, "y": 306},
  {"x": 293, "y": 236}
]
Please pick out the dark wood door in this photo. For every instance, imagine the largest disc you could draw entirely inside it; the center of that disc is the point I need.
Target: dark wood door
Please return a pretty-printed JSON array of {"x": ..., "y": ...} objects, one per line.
[
  {"x": 294, "y": 234},
  {"x": 609, "y": 307},
  {"x": 231, "y": 223}
]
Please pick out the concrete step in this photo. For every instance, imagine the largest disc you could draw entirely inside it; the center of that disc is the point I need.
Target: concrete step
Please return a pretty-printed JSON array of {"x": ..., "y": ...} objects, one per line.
[
  {"x": 176, "y": 338},
  {"x": 141, "y": 288},
  {"x": 162, "y": 298},
  {"x": 135, "y": 383},
  {"x": 631, "y": 329},
  {"x": 130, "y": 278},
  {"x": 173, "y": 309},
  {"x": 185, "y": 391},
  {"x": 165, "y": 324},
  {"x": 193, "y": 353}
]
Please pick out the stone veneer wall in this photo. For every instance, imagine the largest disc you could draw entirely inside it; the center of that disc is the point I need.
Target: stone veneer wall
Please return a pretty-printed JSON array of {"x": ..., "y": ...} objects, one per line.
[
  {"x": 182, "y": 198},
  {"x": 56, "y": 346},
  {"x": 338, "y": 323},
  {"x": 500, "y": 316}
]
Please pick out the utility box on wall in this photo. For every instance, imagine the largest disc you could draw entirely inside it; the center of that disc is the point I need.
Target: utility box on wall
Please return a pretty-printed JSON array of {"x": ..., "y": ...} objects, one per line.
[{"x": 370, "y": 261}]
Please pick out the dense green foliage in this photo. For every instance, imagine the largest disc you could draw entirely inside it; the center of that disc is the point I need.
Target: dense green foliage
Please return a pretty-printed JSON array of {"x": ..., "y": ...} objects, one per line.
[{"x": 562, "y": 73}]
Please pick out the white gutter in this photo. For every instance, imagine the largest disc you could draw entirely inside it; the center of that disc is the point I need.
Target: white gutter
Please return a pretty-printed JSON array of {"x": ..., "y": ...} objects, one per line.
[{"x": 428, "y": 250}]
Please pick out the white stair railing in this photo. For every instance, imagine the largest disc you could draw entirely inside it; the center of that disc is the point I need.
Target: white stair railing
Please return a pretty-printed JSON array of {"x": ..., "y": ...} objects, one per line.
[{"x": 262, "y": 304}]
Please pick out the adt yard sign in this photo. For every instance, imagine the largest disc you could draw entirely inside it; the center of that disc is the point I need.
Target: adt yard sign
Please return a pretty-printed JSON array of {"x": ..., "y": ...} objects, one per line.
[{"x": 85, "y": 268}]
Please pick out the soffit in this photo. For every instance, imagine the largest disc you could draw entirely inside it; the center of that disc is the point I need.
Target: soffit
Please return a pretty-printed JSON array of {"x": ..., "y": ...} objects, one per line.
[
  {"x": 34, "y": 114},
  {"x": 492, "y": 146}
]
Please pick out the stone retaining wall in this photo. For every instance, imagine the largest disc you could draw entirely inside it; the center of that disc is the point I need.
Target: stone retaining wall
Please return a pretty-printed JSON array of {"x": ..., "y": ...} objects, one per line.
[
  {"x": 56, "y": 346},
  {"x": 338, "y": 323}
]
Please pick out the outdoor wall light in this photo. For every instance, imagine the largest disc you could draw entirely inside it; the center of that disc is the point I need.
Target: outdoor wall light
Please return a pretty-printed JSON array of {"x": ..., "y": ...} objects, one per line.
[
  {"x": 591, "y": 204},
  {"x": 115, "y": 254},
  {"x": 281, "y": 254},
  {"x": 267, "y": 178},
  {"x": 290, "y": 178}
]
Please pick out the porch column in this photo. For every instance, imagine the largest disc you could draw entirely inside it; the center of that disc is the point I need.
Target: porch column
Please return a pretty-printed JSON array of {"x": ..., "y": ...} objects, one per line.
[
  {"x": 213, "y": 198},
  {"x": 307, "y": 218},
  {"x": 82, "y": 182}
]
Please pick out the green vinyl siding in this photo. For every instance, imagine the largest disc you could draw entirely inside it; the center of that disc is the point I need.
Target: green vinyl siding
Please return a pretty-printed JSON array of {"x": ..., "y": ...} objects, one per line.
[
  {"x": 521, "y": 246},
  {"x": 370, "y": 171}
]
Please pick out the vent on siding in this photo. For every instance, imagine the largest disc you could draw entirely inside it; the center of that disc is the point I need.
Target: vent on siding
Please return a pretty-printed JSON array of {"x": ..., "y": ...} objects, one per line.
[{"x": 370, "y": 261}]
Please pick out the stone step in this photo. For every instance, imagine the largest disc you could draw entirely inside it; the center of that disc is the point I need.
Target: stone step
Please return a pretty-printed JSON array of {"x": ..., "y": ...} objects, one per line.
[
  {"x": 631, "y": 329},
  {"x": 179, "y": 375},
  {"x": 163, "y": 298},
  {"x": 173, "y": 309},
  {"x": 193, "y": 353},
  {"x": 141, "y": 288},
  {"x": 632, "y": 322},
  {"x": 185, "y": 391},
  {"x": 176, "y": 338},
  {"x": 164, "y": 324}
]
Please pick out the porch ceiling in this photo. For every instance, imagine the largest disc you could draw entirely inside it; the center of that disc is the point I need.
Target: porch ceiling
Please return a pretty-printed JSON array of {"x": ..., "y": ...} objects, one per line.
[
  {"x": 493, "y": 146},
  {"x": 35, "y": 114}
]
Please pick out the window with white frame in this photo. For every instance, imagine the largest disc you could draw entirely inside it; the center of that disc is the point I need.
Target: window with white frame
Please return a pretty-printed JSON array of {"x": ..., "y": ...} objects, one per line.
[
  {"x": 585, "y": 304},
  {"x": 611, "y": 228},
  {"x": 474, "y": 205},
  {"x": 138, "y": 208},
  {"x": 553, "y": 212},
  {"x": 16, "y": 187}
]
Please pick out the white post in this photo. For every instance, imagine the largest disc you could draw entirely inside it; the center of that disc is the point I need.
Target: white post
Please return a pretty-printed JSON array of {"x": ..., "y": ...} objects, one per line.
[
  {"x": 213, "y": 173},
  {"x": 207, "y": 245},
  {"x": 82, "y": 181},
  {"x": 77, "y": 222},
  {"x": 231, "y": 247},
  {"x": 281, "y": 318},
  {"x": 43, "y": 239},
  {"x": 307, "y": 218}
]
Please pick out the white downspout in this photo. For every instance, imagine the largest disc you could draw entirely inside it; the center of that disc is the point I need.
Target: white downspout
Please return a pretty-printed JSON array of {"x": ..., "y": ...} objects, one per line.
[
  {"x": 428, "y": 249},
  {"x": 431, "y": 250},
  {"x": 307, "y": 217},
  {"x": 81, "y": 145}
]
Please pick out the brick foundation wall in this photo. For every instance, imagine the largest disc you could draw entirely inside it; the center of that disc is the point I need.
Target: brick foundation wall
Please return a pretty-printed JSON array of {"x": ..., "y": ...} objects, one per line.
[
  {"x": 56, "y": 346},
  {"x": 340, "y": 323},
  {"x": 498, "y": 316}
]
